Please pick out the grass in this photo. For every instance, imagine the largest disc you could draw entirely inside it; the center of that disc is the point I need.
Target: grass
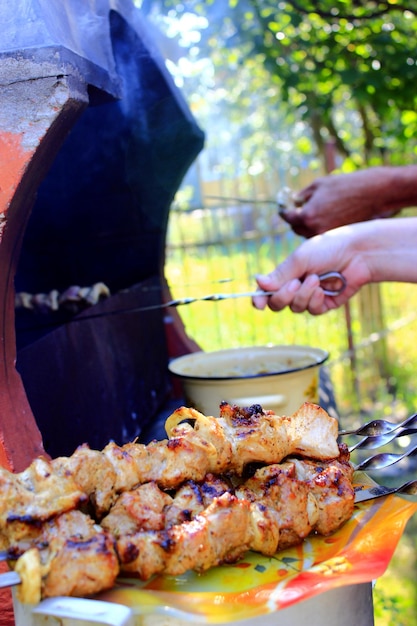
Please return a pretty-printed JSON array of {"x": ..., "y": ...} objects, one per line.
[{"x": 395, "y": 593}]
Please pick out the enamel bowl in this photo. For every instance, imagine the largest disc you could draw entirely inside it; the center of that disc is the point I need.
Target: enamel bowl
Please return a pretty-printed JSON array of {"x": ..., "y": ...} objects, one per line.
[{"x": 279, "y": 378}]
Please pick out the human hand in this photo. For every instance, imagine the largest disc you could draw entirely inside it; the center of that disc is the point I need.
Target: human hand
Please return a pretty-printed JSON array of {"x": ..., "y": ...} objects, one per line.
[
  {"x": 296, "y": 281},
  {"x": 373, "y": 251},
  {"x": 339, "y": 199}
]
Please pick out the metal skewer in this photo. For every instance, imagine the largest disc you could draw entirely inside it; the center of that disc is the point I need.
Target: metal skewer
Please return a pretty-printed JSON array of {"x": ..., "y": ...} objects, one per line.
[
  {"x": 384, "y": 459},
  {"x": 375, "y": 428},
  {"x": 377, "y": 441},
  {"x": 9, "y": 579},
  {"x": 337, "y": 285},
  {"x": 369, "y": 493},
  {"x": 336, "y": 277}
]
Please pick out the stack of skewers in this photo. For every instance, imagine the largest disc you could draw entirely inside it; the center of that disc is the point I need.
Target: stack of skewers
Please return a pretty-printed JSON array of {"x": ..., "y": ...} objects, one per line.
[{"x": 214, "y": 489}]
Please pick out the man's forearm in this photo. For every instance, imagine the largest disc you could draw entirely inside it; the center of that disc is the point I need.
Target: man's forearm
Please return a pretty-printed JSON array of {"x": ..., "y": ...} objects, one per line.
[{"x": 399, "y": 185}]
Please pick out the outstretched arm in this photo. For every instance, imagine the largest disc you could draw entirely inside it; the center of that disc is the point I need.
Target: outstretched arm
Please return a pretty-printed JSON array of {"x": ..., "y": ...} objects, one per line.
[
  {"x": 339, "y": 199},
  {"x": 368, "y": 252}
]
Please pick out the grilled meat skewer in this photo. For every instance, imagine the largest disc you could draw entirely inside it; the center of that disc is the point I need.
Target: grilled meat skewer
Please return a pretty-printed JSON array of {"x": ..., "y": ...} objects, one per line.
[
  {"x": 275, "y": 509},
  {"x": 182, "y": 503},
  {"x": 208, "y": 445},
  {"x": 149, "y": 531}
]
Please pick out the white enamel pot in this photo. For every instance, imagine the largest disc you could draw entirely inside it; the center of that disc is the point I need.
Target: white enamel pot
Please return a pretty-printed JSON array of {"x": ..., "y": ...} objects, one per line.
[{"x": 279, "y": 378}]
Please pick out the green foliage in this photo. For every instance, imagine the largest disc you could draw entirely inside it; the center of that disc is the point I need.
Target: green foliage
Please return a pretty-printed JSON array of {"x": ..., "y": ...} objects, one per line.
[{"x": 346, "y": 69}]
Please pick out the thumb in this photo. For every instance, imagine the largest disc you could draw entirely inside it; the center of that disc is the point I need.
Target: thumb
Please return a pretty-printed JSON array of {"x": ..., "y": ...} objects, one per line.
[
  {"x": 302, "y": 196},
  {"x": 295, "y": 218},
  {"x": 275, "y": 280}
]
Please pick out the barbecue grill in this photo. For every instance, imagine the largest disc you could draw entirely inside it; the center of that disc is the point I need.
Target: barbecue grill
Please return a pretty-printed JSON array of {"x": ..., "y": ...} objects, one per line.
[{"x": 96, "y": 140}]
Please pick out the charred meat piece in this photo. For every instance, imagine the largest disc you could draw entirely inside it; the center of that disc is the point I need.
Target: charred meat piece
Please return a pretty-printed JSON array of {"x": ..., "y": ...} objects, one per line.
[
  {"x": 330, "y": 482},
  {"x": 140, "y": 509},
  {"x": 221, "y": 533},
  {"x": 255, "y": 435},
  {"x": 94, "y": 473},
  {"x": 72, "y": 557},
  {"x": 31, "y": 497},
  {"x": 186, "y": 504},
  {"x": 288, "y": 499}
]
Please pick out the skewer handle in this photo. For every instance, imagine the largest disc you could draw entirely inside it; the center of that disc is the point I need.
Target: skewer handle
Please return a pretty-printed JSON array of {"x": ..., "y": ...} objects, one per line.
[{"x": 9, "y": 579}]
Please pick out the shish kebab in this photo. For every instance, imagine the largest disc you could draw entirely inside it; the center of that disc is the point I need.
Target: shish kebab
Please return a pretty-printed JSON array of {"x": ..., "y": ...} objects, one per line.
[{"x": 217, "y": 487}]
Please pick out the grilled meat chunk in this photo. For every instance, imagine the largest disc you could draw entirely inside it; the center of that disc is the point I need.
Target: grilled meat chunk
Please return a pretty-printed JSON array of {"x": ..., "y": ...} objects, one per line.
[
  {"x": 171, "y": 462},
  {"x": 186, "y": 504},
  {"x": 222, "y": 533},
  {"x": 75, "y": 557},
  {"x": 255, "y": 435},
  {"x": 142, "y": 508},
  {"x": 31, "y": 497},
  {"x": 330, "y": 482},
  {"x": 314, "y": 432},
  {"x": 94, "y": 473},
  {"x": 289, "y": 500},
  {"x": 149, "y": 508},
  {"x": 37, "y": 493},
  {"x": 185, "y": 422}
]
